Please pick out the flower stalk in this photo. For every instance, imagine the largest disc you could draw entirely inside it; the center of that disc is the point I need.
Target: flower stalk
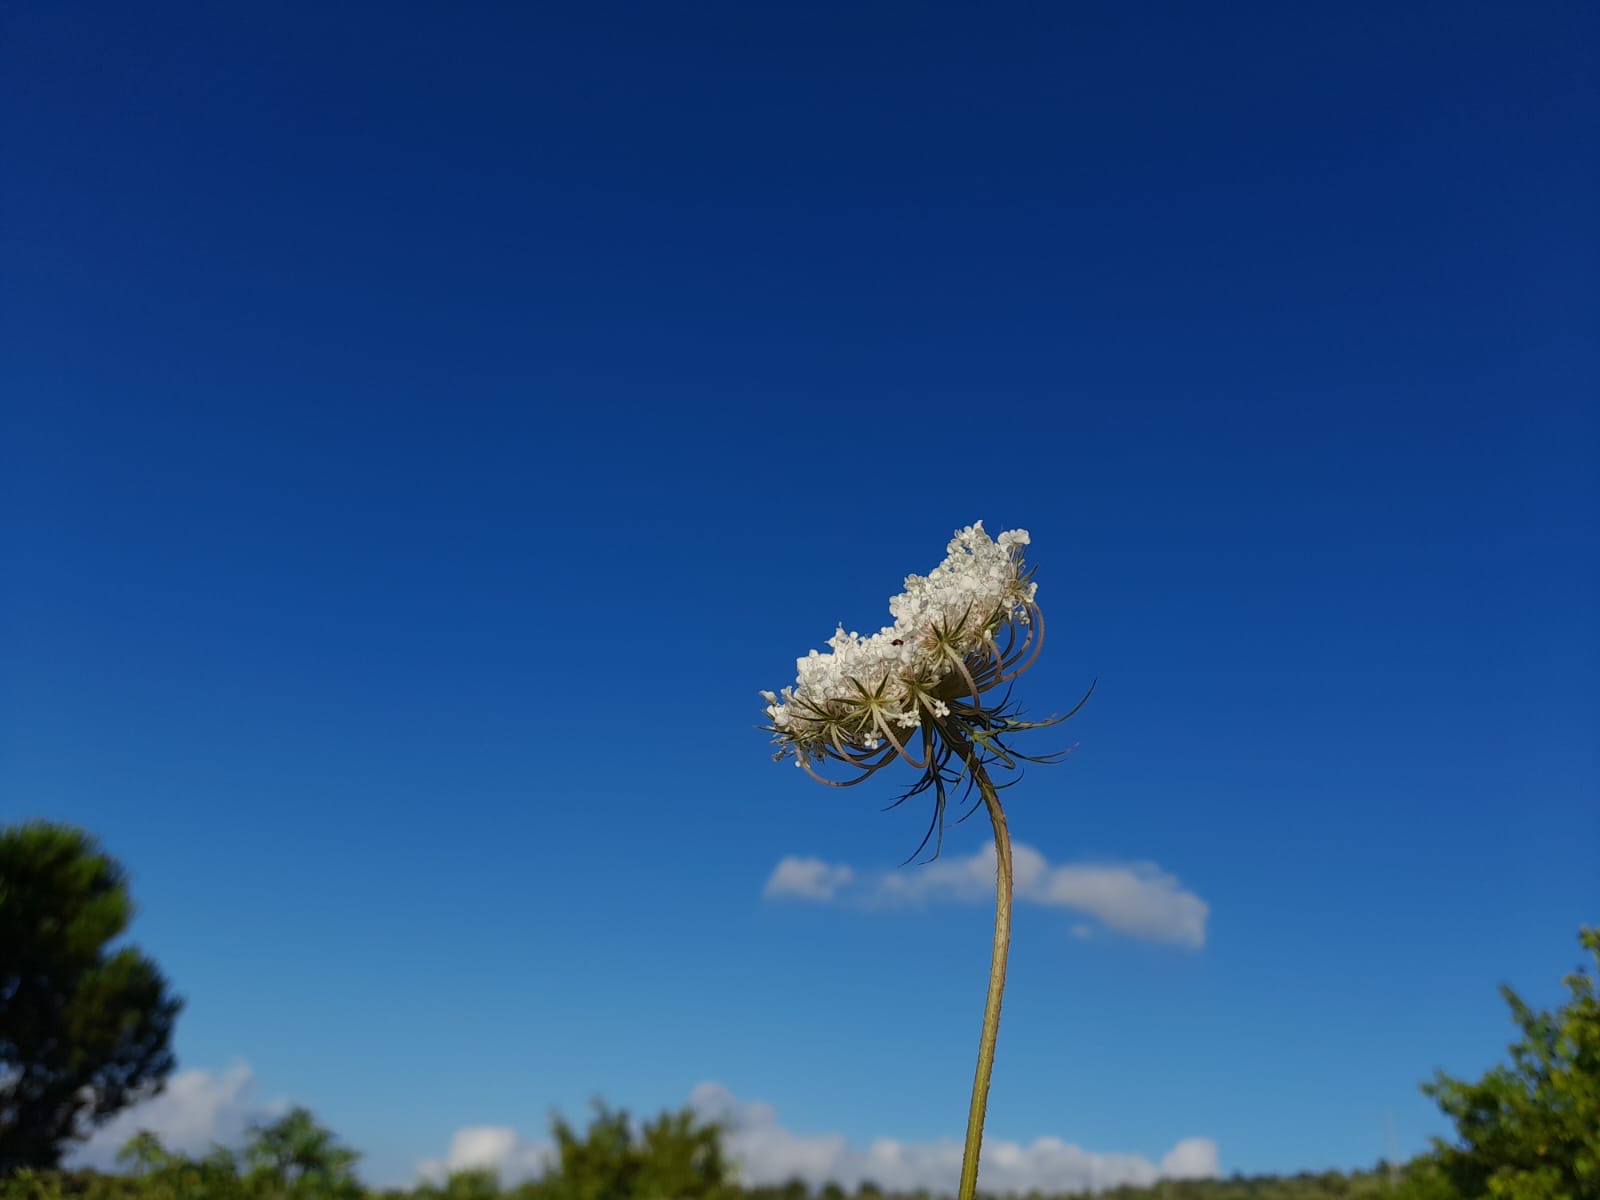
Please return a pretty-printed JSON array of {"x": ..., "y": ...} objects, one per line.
[{"x": 976, "y": 1111}]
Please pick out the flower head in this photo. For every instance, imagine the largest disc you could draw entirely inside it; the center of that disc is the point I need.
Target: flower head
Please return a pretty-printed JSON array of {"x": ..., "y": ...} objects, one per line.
[
  {"x": 954, "y": 637},
  {"x": 918, "y": 690}
]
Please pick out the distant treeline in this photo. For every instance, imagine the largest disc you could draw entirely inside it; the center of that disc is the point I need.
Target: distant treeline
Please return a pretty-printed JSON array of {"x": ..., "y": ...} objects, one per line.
[{"x": 677, "y": 1156}]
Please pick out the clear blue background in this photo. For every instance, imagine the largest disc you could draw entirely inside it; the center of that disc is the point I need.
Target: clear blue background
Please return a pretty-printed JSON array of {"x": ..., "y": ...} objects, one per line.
[{"x": 424, "y": 433}]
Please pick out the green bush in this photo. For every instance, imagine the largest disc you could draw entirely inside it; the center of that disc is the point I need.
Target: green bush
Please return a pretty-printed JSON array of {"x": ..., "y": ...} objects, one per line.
[{"x": 1530, "y": 1130}]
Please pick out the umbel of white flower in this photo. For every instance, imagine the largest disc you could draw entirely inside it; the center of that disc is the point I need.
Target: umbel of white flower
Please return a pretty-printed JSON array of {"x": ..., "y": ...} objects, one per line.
[{"x": 968, "y": 626}]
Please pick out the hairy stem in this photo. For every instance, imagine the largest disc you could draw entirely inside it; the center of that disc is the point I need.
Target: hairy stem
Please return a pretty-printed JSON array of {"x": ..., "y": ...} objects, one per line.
[{"x": 997, "y": 974}]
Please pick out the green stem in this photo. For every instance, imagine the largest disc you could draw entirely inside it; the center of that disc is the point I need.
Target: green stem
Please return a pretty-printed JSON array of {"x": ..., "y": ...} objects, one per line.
[{"x": 997, "y": 976}]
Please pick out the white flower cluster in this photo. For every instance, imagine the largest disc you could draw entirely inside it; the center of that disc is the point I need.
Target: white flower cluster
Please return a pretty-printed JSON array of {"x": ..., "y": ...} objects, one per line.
[{"x": 850, "y": 694}]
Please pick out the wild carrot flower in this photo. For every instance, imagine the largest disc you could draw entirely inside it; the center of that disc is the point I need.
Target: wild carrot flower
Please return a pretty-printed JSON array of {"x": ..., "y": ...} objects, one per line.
[{"x": 926, "y": 691}]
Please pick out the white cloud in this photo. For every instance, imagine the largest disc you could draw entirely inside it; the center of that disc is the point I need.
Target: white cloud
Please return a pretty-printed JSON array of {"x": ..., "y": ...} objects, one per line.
[
  {"x": 766, "y": 1152},
  {"x": 769, "y": 1153},
  {"x": 1138, "y": 899},
  {"x": 495, "y": 1148},
  {"x": 197, "y": 1108},
  {"x": 1192, "y": 1158},
  {"x": 808, "y": 879}
]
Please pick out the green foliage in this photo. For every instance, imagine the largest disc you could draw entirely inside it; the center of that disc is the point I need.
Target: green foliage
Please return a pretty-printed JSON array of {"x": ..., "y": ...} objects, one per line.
[
  {"x": 293, "y": 1158},
  {"x": 600, "y": 1158},
  {"x": 681, "y": 1159},
  {"x": 1530, "y": 1130},
  {"x": 464, "y": 1185},
  {"x": 674, "y": 1157},
  {"x": 84, "y": 1031},
  {"x": 295, "y": 1155}
]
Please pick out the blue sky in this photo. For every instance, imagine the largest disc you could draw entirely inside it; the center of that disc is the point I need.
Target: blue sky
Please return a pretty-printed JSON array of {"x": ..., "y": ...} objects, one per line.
[{"x": 424, "y": 433}]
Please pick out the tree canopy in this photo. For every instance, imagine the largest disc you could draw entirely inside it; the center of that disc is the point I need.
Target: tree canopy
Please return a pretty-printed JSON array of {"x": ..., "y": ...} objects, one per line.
[
  {"x": 84, "y": 1030},
  {"x": 1530, "y": 1129},
  {"x": 675, "y": 1155}
]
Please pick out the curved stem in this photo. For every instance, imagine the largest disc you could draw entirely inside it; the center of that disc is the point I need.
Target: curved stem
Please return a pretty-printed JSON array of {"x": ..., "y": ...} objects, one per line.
[{"x": 997, "y": 973}]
